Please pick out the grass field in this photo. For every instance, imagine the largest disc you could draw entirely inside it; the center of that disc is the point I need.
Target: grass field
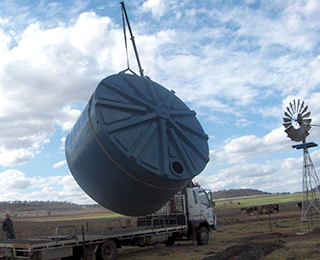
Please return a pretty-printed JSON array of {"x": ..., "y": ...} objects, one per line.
[
  {"x": 246, "y": 202},
  {"x": 258, "y": 237}
]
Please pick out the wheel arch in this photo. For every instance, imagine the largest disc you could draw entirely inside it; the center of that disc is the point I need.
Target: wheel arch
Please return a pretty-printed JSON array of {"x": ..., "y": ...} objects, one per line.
[{"x": 199, "y": 223}]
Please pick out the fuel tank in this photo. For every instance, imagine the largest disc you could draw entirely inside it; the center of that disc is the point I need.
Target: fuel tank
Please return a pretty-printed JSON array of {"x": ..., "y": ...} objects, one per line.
[{"x": 135, "y": 145}]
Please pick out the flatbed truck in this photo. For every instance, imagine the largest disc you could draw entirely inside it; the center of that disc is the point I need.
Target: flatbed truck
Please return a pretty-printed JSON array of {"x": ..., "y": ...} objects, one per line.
[{"x": 188, "y": 215}]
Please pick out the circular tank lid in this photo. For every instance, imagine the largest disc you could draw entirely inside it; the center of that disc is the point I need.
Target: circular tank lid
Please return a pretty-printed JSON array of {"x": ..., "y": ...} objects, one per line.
[{"x": 150, "y": 125}]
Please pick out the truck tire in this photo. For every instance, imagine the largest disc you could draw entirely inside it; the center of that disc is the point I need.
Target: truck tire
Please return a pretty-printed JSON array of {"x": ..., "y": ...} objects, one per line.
[
  {"x": 202, "y": 236},
  {"x": 107, "y": 250},
  {"x": 170, "y": 241}
]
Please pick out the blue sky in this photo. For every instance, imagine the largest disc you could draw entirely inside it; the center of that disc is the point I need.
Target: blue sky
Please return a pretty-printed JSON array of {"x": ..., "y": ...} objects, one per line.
[{"x": 238, "y": 64}]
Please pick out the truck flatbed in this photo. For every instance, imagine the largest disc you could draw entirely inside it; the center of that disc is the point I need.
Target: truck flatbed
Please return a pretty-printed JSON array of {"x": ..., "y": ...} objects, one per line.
[
  {"x": 188, "y": 215},
  {"x": 58, "y": 244}
]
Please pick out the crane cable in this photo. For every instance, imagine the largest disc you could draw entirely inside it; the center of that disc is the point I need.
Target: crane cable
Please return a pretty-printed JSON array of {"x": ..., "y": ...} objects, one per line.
[
  {"x": 124, "y": 20},
  {"x": 125, "y": 38}
]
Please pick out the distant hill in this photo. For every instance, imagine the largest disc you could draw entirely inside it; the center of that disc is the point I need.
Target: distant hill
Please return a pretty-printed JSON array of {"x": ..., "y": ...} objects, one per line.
[
  {"x": 19, "y": 206},
  {"x": 232, "y": 193}
]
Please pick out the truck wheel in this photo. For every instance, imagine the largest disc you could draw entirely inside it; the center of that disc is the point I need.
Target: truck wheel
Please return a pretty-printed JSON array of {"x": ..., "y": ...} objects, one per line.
[
  {"x": 202, "y": 236},
  {"x": 107, "y": 251},
  {"x": 170, "y": 241}
]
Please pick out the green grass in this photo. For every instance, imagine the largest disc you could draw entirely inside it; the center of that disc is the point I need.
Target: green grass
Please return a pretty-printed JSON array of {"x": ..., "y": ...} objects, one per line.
[
  {"x": 77, "y": 218},
  {"x": 261, "y": 200}
]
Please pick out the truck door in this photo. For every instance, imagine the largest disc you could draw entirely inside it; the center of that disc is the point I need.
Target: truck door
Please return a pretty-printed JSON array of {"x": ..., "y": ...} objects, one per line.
[
  {"x": 205, "y": 207},
  {"x": 193, "y": 204}
]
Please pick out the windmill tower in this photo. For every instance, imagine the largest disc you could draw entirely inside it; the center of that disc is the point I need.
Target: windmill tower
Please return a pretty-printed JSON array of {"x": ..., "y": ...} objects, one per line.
[{"x": 297, "y": 123}]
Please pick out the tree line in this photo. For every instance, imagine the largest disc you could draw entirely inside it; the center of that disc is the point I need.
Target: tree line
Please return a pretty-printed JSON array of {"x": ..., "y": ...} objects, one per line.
[{"x": 18, "y": 205}]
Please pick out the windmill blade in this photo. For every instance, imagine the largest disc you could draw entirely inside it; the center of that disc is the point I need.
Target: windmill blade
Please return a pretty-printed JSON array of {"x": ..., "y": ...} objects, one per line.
[
  {"x": 290, "y": 131},
  {"x": 285, "y": 119},
  {"x": 287, "y": 125},
  {"x": 306, "y": 115},
  {"x": 294, "y": 105},
  {"x": 289, "y": 112},
  {"x": 298, "y": 106},
  {"x": 297, "y": 134},
  {"x": 287, "y": 115},
  {"x": 302, "y": 105},
  {"x": 307, "y": 121},
  {"x": 304, "y": 110},
  {"x": 304, "y": 129},
  {"x": 291, "y": 108}
]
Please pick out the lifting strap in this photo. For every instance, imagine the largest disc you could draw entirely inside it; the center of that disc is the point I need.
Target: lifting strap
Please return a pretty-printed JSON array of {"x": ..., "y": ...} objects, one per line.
[{"x": 124, "y": 20}]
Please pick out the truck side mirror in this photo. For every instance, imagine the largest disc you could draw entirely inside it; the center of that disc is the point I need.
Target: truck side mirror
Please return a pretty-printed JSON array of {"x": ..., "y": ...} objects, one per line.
[{"x": 213, "y": 204}]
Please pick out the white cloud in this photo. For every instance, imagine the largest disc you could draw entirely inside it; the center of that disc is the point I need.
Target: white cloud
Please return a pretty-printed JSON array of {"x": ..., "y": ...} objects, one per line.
[
  {"x": 68, "y": 118},
  {"x": 274, "y": 176},
  {"x": 70, "y": 191},
  {"x": 263, "y": 57},
  {"x": 4, "y": 41},
  {"x": 242, "y": 122},
  {"x": 47, "y": 181},
  {"x": 59, "y": 164},
  {"x": 63, "y": 141},
  {"x": 315, "y": 72},
  {"x": 240, "y": 149},
  {"x": 48, "y": 70},
  {"x": 277, "y": 175},
  {"x": 15, "y": 157},
  {"x": 15, "y": 185},
  {"x": 249, "y": 2},
  {"x": 15, "y": 180},
  {"x": 271, "y": 111},
  {"x": 157, "y": 7}
]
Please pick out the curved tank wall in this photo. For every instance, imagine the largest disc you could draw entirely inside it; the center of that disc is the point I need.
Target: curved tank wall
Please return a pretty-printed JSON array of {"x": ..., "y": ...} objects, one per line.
[{"x": 135, "y": 145}]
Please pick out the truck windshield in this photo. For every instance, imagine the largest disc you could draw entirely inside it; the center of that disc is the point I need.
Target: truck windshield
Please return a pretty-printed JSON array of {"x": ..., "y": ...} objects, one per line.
[{"x": 204, "y": 200}]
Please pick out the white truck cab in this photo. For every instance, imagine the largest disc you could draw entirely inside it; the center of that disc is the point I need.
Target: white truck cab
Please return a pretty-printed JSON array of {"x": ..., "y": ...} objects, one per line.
[
  {"x": 199, "y": 213},
  {"x": 192, "y": 207},
  {"x": 199, "y": 207}
]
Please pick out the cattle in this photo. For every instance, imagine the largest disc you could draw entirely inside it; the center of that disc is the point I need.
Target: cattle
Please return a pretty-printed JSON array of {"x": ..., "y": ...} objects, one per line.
[
  {"x": 244, "y": 211},
  {"x": 249, "y": 210},
  {"x": 264, "y": 209},
  {"x": 270, "y": 208}
]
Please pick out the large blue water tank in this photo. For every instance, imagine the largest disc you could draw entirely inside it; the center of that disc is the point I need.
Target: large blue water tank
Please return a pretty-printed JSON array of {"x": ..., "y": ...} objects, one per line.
[{"x": 135, "y": 145}]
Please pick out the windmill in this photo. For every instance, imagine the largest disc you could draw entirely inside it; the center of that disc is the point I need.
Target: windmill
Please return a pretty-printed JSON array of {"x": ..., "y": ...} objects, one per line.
[{"x": 297, "y": 123}]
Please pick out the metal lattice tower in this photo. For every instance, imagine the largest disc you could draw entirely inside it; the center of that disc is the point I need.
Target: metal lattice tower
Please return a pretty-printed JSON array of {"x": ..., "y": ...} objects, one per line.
[
  {"x": 297, "y": 123},
  {"x": 310, "y": 206}
]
